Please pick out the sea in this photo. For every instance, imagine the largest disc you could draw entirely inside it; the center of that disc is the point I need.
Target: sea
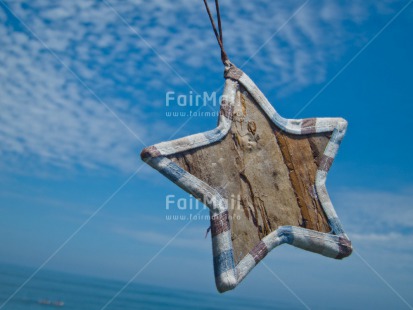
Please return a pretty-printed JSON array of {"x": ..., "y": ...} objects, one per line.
[{"x": 58, "y": 290}]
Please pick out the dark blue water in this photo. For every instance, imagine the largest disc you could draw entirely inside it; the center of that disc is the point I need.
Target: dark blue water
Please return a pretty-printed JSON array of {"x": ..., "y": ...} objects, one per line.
[{"x": 86, "y": 293}]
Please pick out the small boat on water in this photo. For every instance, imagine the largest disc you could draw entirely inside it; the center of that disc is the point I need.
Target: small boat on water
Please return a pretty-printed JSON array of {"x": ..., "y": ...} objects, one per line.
[{"x": 48, "y": 302}]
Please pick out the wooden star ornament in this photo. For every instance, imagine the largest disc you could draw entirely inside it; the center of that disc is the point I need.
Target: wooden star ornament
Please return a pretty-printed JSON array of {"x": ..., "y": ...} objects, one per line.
[{"x": 262, "y": 177}]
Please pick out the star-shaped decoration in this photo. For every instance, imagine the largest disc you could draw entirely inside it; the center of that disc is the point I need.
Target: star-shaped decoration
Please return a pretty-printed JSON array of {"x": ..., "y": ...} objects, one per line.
[{"x": 262, "y": 177}]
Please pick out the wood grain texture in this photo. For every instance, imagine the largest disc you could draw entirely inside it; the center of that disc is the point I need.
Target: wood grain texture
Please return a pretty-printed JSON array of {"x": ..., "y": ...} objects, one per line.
[{"x": 266, "y": 175}]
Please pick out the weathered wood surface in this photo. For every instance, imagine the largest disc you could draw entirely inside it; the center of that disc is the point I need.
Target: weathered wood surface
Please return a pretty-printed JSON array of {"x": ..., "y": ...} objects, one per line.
[{"x": 266, "y": 175}]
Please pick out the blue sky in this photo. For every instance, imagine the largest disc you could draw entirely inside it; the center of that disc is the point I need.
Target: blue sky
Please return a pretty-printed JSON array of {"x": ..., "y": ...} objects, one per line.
[{"x": 82, "y": 91}]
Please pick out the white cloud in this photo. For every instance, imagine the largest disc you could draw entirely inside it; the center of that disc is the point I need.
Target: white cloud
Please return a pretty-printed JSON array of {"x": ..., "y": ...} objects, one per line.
[
  {"x": 189, "y": 239},
  {"x": 48, "y": 118},
  {"x": 376, "y": 211},
  {"x": 377, "y": 221},
  {"x": 371, "y": 237},
  {"x": 385, "y": 242}
]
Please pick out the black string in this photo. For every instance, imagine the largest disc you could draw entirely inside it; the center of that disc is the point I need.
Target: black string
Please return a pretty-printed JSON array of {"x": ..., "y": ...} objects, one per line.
[
  {"x": 218, "y": 35},
  {"x": 219, "y": 22}
]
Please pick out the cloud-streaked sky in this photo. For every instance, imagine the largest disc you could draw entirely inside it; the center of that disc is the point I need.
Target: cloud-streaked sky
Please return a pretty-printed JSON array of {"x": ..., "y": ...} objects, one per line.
[
  {"x": 82, "y": 90},
  {"x": 52, "y": 117}
]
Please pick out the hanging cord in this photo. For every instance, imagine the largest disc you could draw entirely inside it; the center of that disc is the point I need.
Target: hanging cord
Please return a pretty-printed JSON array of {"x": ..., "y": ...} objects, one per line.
[
  {"x": 218, "y": 33},
  {"x": 219, "y": 22}
]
